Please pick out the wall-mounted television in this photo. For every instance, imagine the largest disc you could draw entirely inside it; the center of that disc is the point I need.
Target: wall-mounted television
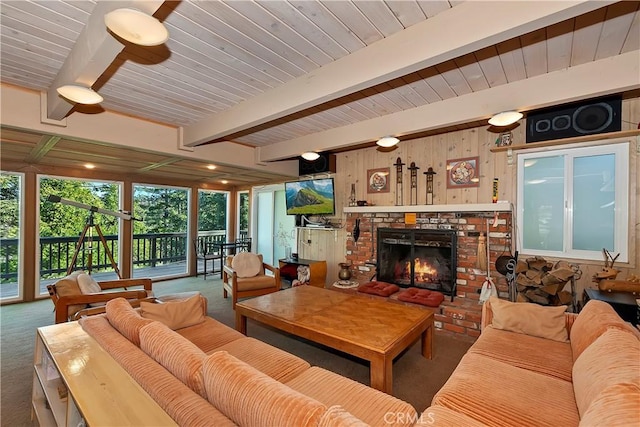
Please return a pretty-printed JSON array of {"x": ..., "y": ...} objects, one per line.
[{"x": 310, "y": 197}]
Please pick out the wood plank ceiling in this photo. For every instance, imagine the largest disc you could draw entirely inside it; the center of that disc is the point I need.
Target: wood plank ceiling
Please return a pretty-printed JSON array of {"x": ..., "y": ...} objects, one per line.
[{"x": 224, "y": 53}]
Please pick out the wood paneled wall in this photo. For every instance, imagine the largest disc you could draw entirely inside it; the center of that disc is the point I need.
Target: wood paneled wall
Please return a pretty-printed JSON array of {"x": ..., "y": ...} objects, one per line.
[{"x": 435, "y": 150}]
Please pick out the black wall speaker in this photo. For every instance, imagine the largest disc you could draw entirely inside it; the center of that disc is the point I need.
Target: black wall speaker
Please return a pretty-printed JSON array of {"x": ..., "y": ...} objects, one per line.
[
  {"x": 326, "y": 163},
  {"x": 577, "y": 119}
]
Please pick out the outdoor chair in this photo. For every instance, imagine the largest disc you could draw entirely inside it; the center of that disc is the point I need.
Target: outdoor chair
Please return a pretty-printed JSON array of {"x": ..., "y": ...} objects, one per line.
[
  {"x": 78, "y": 294},
  {"x": 203, "y": 253},
  {"x": 244, "y": 276}
]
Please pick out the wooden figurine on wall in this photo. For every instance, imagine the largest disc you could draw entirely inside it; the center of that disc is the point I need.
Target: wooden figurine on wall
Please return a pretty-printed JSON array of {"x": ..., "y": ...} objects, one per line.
[
  {"x": 414, "y": 183},
  {"x": 399, "y": 190},
  {"x": 429, "y": 174}
]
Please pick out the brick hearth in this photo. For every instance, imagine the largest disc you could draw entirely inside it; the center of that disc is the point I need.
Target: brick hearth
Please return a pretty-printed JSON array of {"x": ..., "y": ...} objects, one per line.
[{"x": 462, "y": 315}]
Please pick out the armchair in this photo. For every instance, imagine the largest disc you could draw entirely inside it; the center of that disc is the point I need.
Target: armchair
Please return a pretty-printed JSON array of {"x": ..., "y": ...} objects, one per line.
[
  {"x": 245, "y": 277},
  {"x": 72, "y": 300}
]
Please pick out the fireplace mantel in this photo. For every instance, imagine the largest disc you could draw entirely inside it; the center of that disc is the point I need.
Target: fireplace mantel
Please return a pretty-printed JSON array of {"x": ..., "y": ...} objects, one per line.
[{"x": 470, "y": 207}]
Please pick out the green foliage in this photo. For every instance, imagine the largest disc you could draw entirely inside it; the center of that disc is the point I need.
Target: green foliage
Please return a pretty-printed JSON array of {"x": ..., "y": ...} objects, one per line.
[
  {"x": 213, "y": 211},
  {"x": 244, "y": 211},
  {"x": 9, "y": 206},
  {"x": 162, "y": 209},
  {"x": 59, "y": 220}
]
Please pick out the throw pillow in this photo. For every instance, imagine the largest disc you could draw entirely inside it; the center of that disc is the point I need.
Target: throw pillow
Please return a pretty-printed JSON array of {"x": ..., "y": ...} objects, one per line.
[
  {"x": 530, "y": 319},
  {"x": 246, "y": 264},
  {"x": 88, "y": 284},
  {"x": 176, "y": 314},
  {"x": 68, "y": 286},
  {"x": 250, "y": 397}
]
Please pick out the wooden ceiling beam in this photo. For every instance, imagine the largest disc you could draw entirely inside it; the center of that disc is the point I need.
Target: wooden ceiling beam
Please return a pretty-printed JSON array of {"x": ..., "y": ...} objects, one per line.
[
  {"x": 572, "y": 84},
  {"x": 458, "y": 31},
  {"x": 94, "y": 51},
  {"x": 46, "y": 144}
]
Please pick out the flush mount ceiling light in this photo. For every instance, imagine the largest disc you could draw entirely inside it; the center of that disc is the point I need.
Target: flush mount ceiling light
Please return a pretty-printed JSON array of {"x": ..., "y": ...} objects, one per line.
[
  {"x": 310, "y": 156},
  {"x": 505, "y": 118},
  {"x": 80, "y": 94},
  {"x": 136, "y": 27},
  {"x": 387, "y": 141}
]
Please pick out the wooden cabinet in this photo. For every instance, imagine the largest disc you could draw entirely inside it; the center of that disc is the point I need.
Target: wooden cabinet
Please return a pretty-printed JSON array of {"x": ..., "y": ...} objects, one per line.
[
  {"x": 317, "y": 269},
  {"x": 77, "y": 383}
]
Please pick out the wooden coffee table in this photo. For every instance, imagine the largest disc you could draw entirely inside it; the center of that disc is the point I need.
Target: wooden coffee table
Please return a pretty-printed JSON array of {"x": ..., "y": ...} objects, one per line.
[{"x": 372, "y": 329}]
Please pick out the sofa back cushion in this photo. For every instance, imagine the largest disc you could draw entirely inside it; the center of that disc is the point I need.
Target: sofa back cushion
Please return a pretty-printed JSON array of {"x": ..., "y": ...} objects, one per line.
[
  {"x": 177, "y": 354},
  {"x": 613, "y": 358},
  {"x": 594, "y": 318},
  {"x": 249, "y": 397},
  {"x": 175, "y": 314},
  {"x": 125, "y": 319},
  {"x": 530, "y": 319},
  {"x": 337, "y": 416}
]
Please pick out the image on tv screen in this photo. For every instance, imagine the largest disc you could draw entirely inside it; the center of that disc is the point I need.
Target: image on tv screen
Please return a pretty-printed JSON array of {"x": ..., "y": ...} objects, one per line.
[{"x": 310, "y": 197}]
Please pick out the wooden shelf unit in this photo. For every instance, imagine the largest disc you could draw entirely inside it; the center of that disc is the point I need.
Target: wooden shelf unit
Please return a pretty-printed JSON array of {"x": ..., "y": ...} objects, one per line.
[
  {"x": 98, "y": 390},
  {"x": 317, "y": 269}
]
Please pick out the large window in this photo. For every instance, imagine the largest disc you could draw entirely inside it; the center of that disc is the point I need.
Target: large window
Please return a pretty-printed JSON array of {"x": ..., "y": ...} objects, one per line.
[
  {"x": 574, "y": 202},
  {"x": 160, "y": 237},
  {"x": 10, "y": 235},
  {"x": 69, "y": 229}
]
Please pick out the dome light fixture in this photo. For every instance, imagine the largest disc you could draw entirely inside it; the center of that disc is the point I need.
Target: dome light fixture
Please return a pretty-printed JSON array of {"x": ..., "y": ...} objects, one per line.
[
  {"x": 136, "y": 27},
  {"x": 310, "y": 156},
  {"x": 505, "y": 118},
  {"x": 387, "y": 141},
  {"x": 80, "y": 94}
]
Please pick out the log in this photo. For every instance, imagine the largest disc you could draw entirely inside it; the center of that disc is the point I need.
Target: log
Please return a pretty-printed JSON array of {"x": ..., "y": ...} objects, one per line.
[
  {"x": 565, "y": 297},
  {"x": 537, "y": 263},
  {"x": 534, "y": 276},
  {"x": 552, "y": 289},
  {"x": 535, "y": 297},
  {"x": 521, "y": 266},
  {"x": 564, "y": 274},
  {"x": 523, "y": 280},
  {"x": 550, "y": 279}
]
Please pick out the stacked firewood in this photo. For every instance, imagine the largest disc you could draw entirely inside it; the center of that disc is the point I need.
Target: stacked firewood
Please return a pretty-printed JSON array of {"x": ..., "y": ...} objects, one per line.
[{"x": 544, "y": 282}]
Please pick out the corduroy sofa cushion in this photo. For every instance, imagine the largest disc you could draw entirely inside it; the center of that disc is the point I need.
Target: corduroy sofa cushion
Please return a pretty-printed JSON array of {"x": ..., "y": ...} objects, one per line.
[
  {"x": 210, "y": 334},
  {"x": 178, "y": 355},
  {"x": 495, "y": 393},
  {"x": 616, "y": 406},
  {"x": 125, "y": 319},
  {"x": 594, "y": 318},
  {"x": 613, "y": 358},
  {"x": 251, "y": 398},
  {"x": 272, "y": 361},
  {"x": 444, "y": 417},
  {"x": 365, "y": 403},
  {"x": 186, "y": 407},
  {"x": 336, "y": 416},
  {"x": 536, "y": 354},
  {"x": 176, "y": 314}
]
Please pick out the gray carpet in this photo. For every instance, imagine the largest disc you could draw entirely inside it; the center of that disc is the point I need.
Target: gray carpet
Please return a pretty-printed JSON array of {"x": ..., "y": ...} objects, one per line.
[{"x": 415, "y": 379}]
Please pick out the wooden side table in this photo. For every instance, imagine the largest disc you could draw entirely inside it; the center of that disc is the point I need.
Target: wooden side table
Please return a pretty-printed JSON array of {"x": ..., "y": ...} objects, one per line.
[
  {"x": 317, "y": 269},
  {"x": 622, "y": 302}
]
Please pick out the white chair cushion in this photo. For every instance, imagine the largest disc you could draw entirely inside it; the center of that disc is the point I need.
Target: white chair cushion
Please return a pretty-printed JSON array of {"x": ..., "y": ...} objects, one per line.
[
  {"x": 246, "y": 264},
  {"x": 88, "y": 284}
]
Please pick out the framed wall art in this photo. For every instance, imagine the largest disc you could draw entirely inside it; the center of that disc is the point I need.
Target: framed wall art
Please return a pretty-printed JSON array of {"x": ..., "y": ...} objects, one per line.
[
  {"x": 463, "y": 173},
  {"x": 378, "y": 180}
]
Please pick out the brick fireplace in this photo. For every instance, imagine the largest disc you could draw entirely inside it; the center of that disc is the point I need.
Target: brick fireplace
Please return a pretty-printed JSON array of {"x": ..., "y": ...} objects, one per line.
[{"x": 461, "y": 314}]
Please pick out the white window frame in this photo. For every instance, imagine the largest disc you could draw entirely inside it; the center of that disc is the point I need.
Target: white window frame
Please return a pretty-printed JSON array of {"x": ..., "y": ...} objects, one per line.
[{"x": 621, "y": 240}]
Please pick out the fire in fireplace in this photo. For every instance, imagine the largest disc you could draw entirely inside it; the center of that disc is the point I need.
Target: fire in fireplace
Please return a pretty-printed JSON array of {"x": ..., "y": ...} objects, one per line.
[{"x": 422, "y": 258}]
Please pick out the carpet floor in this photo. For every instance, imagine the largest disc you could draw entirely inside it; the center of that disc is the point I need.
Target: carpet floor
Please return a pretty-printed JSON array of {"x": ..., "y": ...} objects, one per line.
[{"x": 415, "y": 379}]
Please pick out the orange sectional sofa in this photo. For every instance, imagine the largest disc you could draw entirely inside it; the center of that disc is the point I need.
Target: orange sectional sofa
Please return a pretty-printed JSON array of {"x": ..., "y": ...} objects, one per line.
[
  {"x": 588, "y": 377},
  {"x": 209, "y": 374},
  {"x": 525, "y": 370}
]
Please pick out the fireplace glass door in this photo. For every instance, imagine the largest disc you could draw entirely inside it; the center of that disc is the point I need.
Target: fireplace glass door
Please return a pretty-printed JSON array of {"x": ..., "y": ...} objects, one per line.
[{"x": 418, "y": 258}]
